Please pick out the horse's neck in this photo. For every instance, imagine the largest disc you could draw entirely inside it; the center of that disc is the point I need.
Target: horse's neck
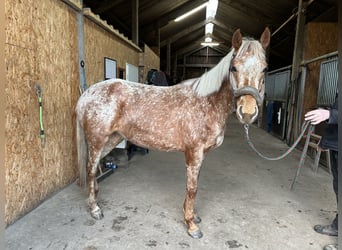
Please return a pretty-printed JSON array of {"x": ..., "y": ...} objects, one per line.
[{"x": 223, "y": 99}]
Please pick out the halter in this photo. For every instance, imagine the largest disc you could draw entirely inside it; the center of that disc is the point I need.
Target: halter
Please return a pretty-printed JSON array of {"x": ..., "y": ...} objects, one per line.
[{"x": 248, "y": 90}]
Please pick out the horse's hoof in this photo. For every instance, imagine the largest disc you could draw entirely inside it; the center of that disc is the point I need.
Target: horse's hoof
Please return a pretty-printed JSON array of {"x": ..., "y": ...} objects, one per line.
[
  {"x": 196, "y": 234},
  {"x": 197, "y": 219},
  {"x": 97, "y": 214}
]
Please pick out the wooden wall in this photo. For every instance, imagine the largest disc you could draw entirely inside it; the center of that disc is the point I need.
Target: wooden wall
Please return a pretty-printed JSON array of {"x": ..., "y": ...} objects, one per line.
[
  {"x": 41, "y": 48},
  {"x": 321, "y": 39},
  {"x": 99, "y": 44}
]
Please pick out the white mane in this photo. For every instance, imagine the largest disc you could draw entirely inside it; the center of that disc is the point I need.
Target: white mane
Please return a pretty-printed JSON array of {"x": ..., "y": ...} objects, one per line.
[{"x": 211, "y": 81}]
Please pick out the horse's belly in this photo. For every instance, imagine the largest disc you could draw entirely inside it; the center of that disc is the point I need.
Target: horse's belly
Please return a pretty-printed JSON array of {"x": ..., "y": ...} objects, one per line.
[{"x": 160, "y": 141}]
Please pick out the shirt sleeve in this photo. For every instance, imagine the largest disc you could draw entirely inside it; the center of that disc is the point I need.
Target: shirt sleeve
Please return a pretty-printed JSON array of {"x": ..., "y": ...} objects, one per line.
[{"x": 333, "y": 118}]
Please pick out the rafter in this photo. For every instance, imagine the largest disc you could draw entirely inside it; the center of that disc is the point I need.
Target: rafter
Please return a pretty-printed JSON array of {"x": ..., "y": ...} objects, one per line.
[
  {"x": 183, "y": 33},
  {"x": 107, "y": 5},
  {"x": 165, "y": 19}
]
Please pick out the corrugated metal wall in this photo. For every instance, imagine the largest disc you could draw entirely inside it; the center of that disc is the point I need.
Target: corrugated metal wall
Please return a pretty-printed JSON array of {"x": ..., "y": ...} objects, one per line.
[{"x": 327, "y": 87}]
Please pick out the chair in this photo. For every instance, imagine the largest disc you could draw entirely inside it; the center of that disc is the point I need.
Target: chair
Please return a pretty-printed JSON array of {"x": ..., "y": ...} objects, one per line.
[{"x": 314, "y": 142}]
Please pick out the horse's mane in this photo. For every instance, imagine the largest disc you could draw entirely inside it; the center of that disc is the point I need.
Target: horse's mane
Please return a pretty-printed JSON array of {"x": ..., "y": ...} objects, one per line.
[{"x": 211, "y": 81}]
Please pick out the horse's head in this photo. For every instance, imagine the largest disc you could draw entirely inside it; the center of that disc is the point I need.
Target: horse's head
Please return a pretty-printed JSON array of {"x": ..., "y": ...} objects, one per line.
[{"x": 247, "y": 72}]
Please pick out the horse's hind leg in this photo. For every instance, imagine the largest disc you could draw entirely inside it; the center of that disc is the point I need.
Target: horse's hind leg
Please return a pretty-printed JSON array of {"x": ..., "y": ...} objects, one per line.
[
  {"x": 94, "y": 159},
  {"x": 113, "y": 140},
  {"x": 102, "y": 148},
  {"x": 194, "y": 160},
  {"x": 95, "y": 147}
]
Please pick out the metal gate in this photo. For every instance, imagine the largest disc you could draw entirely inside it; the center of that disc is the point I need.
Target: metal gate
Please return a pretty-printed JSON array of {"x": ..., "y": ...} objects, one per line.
[
  {"x": 328, "y": 78},
  {"x": 276, "y": 90}
]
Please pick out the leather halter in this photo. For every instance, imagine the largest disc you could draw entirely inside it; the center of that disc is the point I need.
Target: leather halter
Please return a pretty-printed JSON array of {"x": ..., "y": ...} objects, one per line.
[{"x": 248, "y": 90}]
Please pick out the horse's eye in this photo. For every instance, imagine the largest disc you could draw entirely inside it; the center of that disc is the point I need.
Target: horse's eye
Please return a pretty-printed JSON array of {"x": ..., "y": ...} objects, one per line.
[
  {"x": 265, "y": 70},
  {"x": 233, "y": 69}
]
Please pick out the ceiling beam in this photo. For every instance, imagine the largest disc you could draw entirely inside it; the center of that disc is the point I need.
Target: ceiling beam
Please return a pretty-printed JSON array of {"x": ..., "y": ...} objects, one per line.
[
  {"x": 107, "y": 5},
  {"x": 183, "y": 33},
  {"x": 165, "y": 19},
  {"x": 188, "y": 49},
  {"x": 220, "y": 38},
  {"x": 242, "y": 9},
  {"x": 198, "y": 65}
]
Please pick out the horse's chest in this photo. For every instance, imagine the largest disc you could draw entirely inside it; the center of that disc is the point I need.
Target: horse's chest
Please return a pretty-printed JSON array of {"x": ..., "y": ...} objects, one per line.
[
  {"x": 215, "y": 138},
  {"x": 219, "y": 139}
]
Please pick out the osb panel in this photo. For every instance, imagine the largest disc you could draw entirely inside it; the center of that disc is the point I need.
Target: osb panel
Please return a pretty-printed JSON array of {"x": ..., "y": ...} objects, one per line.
[
  {"x": 41, "y": 47},
  {"x": 321, "y": 38},
  {"x": 99, "y": 44},
  {"x": 19, "y": 17},
  {"x": 149, "y": 60}
]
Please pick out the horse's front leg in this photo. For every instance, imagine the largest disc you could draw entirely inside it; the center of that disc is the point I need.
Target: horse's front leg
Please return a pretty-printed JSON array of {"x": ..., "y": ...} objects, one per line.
[{"x": 193, "y": 164}]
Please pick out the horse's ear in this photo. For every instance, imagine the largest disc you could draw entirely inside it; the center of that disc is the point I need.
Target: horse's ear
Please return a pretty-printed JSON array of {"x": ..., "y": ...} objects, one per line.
[
  {"x": 265, "y": 38},
  {"x": 237, "y": 39}
]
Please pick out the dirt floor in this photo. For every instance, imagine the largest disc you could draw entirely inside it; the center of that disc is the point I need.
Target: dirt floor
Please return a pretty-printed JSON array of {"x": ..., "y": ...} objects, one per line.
[{"x": 245, "y": 202}]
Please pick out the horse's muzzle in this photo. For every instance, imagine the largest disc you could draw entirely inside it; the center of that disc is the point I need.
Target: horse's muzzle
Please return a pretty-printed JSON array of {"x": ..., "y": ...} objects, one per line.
[{"x": 247, "y": 118}]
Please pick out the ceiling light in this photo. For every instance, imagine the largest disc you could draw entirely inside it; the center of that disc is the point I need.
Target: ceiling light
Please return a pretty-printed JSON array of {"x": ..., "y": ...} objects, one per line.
[
  {"x": 190, "y": 12},
  {"x": 211, "y": 8},
  {"x": 210, "y": 44},
  {"x": 209, "y": 28},
  {"x": 208, "y": 40}
]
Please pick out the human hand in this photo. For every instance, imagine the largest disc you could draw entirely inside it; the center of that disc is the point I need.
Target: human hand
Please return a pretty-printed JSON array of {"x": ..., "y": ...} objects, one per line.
[{"x": 317, "y": 116}]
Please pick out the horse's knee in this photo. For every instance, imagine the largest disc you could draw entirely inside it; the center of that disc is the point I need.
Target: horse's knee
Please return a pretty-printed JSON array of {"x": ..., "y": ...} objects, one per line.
[{"x": 191, "y": 193}]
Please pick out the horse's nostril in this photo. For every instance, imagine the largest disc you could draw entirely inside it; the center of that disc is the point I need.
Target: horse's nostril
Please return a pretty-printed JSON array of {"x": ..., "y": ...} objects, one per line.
[
  {"x": 256, "y": 111},
  {"x": 240, "y": 110},
  {"x": 247, "y": 117}
]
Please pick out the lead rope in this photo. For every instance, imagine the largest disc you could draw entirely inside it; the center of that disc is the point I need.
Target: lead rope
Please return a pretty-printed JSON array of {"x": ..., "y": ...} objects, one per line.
[
  {"x": 42, "y": 133},
  {"x": 305, "y": 125}
]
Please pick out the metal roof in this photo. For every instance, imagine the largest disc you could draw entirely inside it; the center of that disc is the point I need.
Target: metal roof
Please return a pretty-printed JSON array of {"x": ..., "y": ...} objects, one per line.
[{"x": 156, "y": 20}]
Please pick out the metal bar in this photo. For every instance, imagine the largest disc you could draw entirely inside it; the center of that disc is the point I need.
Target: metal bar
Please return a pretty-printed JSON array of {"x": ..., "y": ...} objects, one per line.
[
  {"x": 73, "y": 4},
  {"x": 303, "y": 63},
  {"x": 81, "y": 51},
  {"x": 288, "y": 20},
  {"x": 302, "y": 157},
  {"x": 280, "y": 69}
]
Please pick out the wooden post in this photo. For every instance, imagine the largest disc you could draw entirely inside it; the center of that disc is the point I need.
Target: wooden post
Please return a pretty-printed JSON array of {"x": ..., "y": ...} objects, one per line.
[
  {"x": 174, "y": 72},
  {"x": 168, "y": 57},
  {"x": 292, "y": 118},
  {"x": 135, "y": 21},
  {"x": 339, "y": 204},
  {"x": 183, "y": 76}
]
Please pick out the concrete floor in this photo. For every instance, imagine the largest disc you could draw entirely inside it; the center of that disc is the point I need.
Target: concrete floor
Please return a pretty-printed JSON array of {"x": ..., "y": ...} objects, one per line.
[{"x": 244, "y": 201}]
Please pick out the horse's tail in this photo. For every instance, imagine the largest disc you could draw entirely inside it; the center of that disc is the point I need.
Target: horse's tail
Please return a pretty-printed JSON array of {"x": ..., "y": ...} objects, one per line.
[{"x": 82, "y": 156}]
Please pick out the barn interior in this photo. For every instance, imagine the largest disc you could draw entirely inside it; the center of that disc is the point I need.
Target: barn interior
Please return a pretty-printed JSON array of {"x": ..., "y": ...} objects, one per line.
[
  {"x": 153, "y": 22},
  {"x": 55, "y": 49}
]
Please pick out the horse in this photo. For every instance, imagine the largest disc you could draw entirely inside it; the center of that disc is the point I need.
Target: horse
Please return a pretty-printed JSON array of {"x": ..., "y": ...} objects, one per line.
[{"x": 189, "y": 117}]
